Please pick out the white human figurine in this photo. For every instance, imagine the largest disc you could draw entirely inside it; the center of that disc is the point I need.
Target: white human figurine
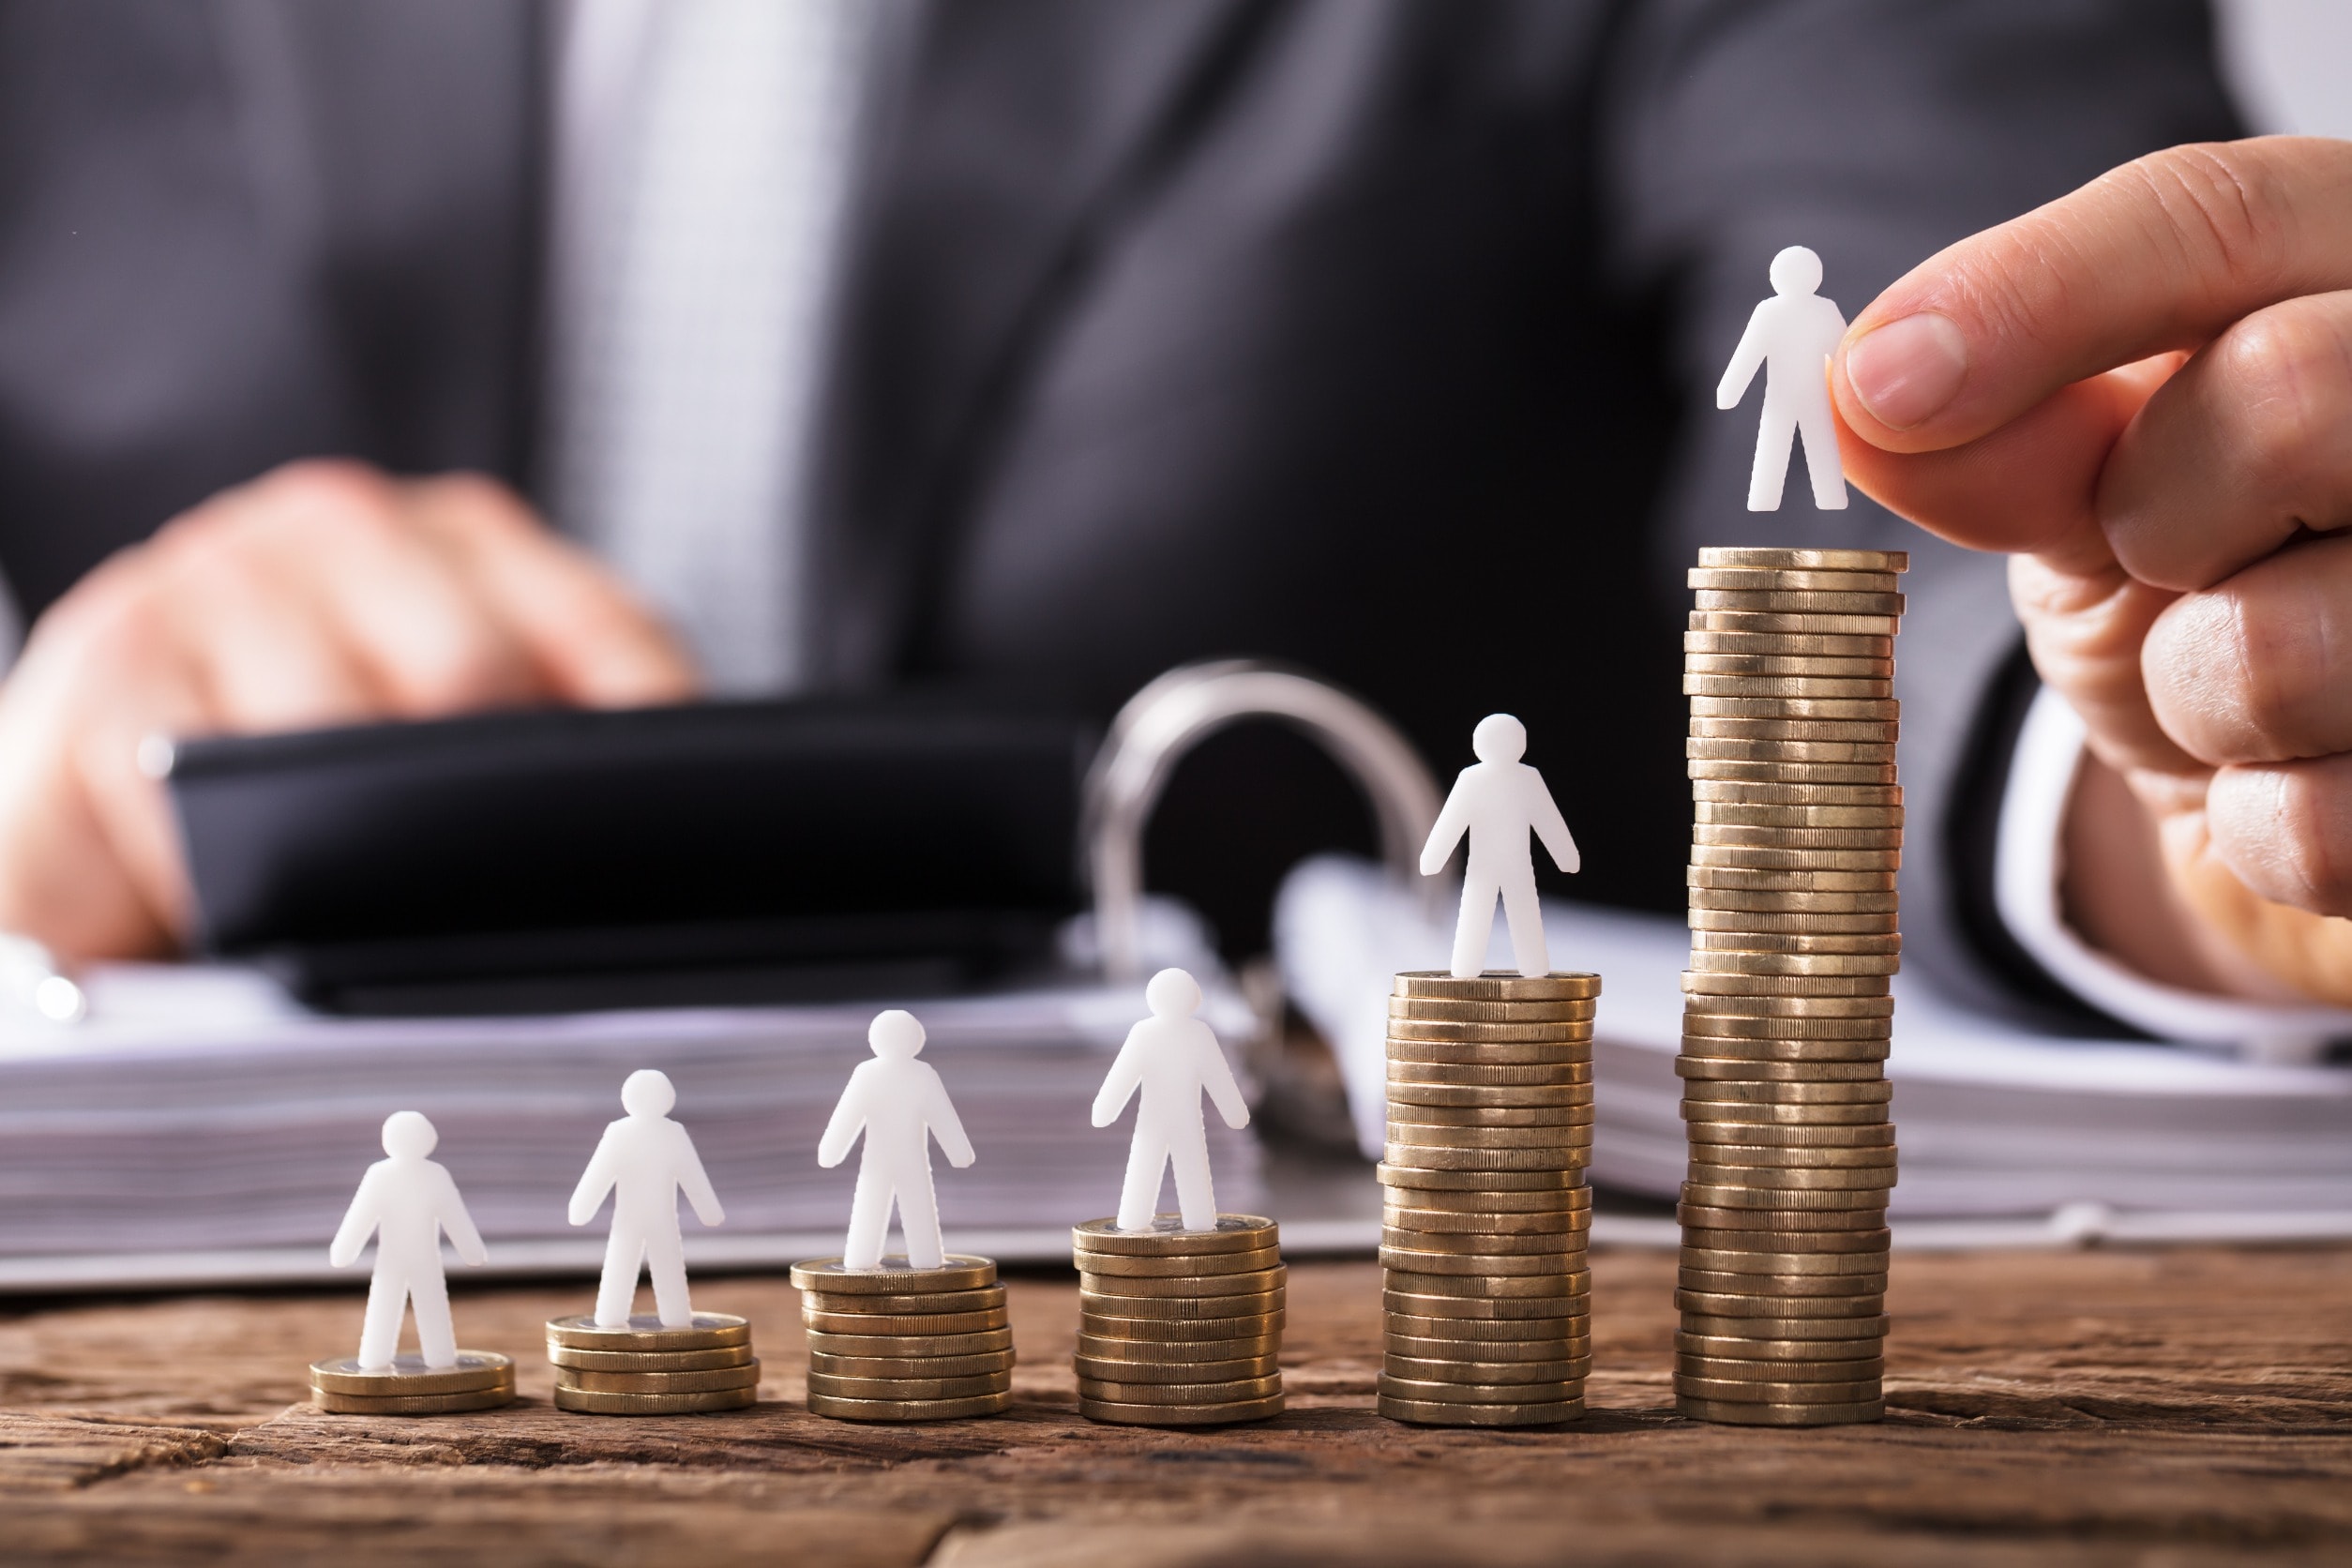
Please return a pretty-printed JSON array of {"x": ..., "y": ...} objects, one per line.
[
  {"x": 645, "y": 1160},
  {"x": 1497, "y": 802},
  {"x": 1172, "y": 1057},
  {"x": 407, "y": 1200},
  {"x": 900, "y": 1105},
  {"x": 1791, "y": 336}
]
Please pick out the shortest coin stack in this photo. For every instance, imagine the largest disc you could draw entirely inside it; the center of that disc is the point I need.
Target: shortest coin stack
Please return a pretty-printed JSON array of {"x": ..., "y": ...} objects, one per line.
[
  {"x": 1177, "y": 1327},
  {"x": 481, "y": 1380},
  {"x": 646, "y": 1369},
  {"x": 899, "y": 1342}
]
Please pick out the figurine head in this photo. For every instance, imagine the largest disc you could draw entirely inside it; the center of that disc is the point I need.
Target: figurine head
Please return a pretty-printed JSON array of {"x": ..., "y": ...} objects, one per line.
[
  {"x": 407, "y": 1135},
  {"x": 1796, "y": 271},
  {"x": 1172, "y": 994},
  {"x": 897, "y": 1036},
  {"x": 1499, "y": 738},
  {"x": 648, "y": 1092}
]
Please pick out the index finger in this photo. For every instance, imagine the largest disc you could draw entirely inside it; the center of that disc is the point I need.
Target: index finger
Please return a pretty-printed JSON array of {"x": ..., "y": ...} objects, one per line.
[{"x": 2158, "y": 255}]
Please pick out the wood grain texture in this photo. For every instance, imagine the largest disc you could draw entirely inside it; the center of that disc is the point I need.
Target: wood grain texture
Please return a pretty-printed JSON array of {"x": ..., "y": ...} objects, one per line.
[{"x": 2177, "y": 1407}]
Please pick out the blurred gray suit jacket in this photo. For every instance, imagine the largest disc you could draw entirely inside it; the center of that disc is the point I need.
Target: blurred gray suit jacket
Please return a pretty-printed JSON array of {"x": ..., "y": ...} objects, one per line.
[{"x": 1375, "y": 335}]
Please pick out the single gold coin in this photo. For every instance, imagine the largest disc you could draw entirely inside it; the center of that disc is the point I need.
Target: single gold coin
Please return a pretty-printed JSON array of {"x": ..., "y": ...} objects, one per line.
[
  {"x": 1424, "y": 1261},
  {"x": 894, "y": 1276},
  {"x": 1795, "y": 601},
  {"x": 1167, "y": 1238},
  {"x": 1432, "y": 1413},
  {"x": 1712, "y": 1072},
  {"x": 1743, "y": 1195},
  {"x": 1836, "y": 1242},
  {"x": 1185, "y": 1308},
  {"x": 1486, "y": 1074},
  {"x": 1707, "y": 1171},
  {"x": 1125, "y": 1414},
  {"x": 1782, "y": 1135},
  {"x": 1782, "y": 1265},
  {"x": 1567, "y": 1222},
  {"x": 1477, "y": 1181},
  {"x": 1881, "y": 710},
  {"x": 1266, "y": 1281},
  {"x": 1424, "y": 1391},
  {"x": 1179, "y": 1332},
  {"x": 1422, "y": 1091},
  {"x": 1725, "y": 1304},
  {"x": 1736, "y": 1046},
  {"x": 1791, "y": 792},
  {"x": 986, "y": 1342},
  {"x": 1467, "y": 1053},
  {"x": 839, "y": 1409},
  {"x": 1734, "y": 857},
  {"x": 1706, "y": 943},
  {"x": 982, "y": 1300},
  {"x": 1536, "y": 1245},
  {"x": 1447, "y": 1136},
  {"x": 924, "y": 1322},
  {"x": 644, "y": 1332},
  {"x": 1725, "y": 1413},
  {"x": 1761, "y": 1351},
  {"x": 1494, "y": 1284},
  {"x": 1405, "y": 1304},
  {"x": 1878, "y": 1008},
  {"x": 1497, "y": 986},
  {"x": 1169, "y": 1352},
  {"x": 590, "y": 1402},
  {"x": 1817, "y": 1372},
  {"x": 1416, "y": 1156},
  {"x": 1727, "y": 1094},
  {"x": 1434, "y": 1009},
  {"x": 1489, "y": 1033},
  {"x": 747, "y": 1375},
  {"x": 918, "y": 1368},
  {"x": 1700, "y": 1018},
  {"x": 1788, "y": 644},
  {"x": 1796, "y": 930},
  {"x": 1487, "y": 1338},
  {"x": 649, "y": 1361},
  {"x": 1552, "y": 1375},
  {"x": 1092, "y": 1368},
  {"x": 1781, "y": 1158},
  {"x": 1792, "y": 1286},
  {"x": 1799, "y": 1220},
  {"x": 1473, "y": 1202},
  {"x": 1704, "y": 983},
  {"x": 1721, "y": 1118},
  {"x": 1841, "y": 666},
  {"x": 456, "y": 1402},
  {"x": 1790, "y": 758},
  {"x": 1733, "y": 771},
  {"x": 1844, "y": 965},
  {"x": 1779, "y": 558},
  {"x": 1754, "y": 1338},
  {"x": 1187, "y": 1266},
  {"x": 1790, "y": 901},
  {"x": 408, "y": 1375},
  {"x": 1818, "y": 731},
  {"x": 836, "y": 1387},
  {"x": 1790, "y": 1392},
  {"x": 1748, "y": 579},
  {"x": 1496, "y": 1116},
  {"x": 1230, "y": 1392},
  {"x": 1807, "y": 688}
]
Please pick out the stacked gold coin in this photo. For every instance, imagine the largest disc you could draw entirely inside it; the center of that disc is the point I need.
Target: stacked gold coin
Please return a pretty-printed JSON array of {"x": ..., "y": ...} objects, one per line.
[
  {"x": 481, "y": 1380},
  {"x": 646, "y": 1369},
  {"x": 899, "y": 1342},
  {"x": 1789, "y": 667},
  {"x": 1483, "y": 1240},
  {"x": 1177, "y": 1327}
]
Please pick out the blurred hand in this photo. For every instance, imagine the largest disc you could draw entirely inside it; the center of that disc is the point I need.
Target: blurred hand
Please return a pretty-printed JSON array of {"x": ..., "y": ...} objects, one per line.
[
  {"x": 2144, "y": 391},
  {"x": 321, "y": 594}
]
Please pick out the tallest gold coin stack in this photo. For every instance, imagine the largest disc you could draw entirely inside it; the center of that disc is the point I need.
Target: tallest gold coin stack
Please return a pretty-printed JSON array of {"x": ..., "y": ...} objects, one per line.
[{"x": 1788, "y": 665}]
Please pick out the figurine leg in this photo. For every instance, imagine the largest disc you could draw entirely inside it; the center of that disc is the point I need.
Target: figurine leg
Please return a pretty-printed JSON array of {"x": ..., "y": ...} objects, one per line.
[
  {"x": 1471, "y": 930},
  {"x": 436, "y": 1335},
  {"x": 1195, "y": 1193},
  {"x": 1139, "y": 1194},
  {"x": 1822, "y": 464},
  {"x": 918, "y": 1222},
  {"x": 1524, "y": 913},
  {"x": 869, "y": 1219},
  {"x": 664, "y": 1260},
  {"x": 617, "y": 1290},
  {"x": 1774, "y": 439},
  {"x": 379, "y": 1330}
]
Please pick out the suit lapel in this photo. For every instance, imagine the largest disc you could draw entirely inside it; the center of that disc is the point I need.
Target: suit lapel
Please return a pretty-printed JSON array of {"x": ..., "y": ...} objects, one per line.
[{"x": 1004, "y": 140}]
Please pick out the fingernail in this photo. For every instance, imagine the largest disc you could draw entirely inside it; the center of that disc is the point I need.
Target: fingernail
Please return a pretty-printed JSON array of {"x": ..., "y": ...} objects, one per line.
[{"x": 1905, "y": 371}]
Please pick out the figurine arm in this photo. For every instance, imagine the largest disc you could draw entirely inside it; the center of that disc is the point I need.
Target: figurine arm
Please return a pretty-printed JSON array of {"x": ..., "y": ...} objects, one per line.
[
  {"x": 1217, "y": 1075},
  {"x": 1452, "y": 822},
  {"x": 1126, "y": 1074},
  {"x": 360, "y": 1222},
  {"x": 1550, "y": 827},
  {"x": 597, "y": 1180},
  {"x": 696, "y": 1182},
  {"x": 849, "y": 1120},
  {"x": 1745, "y": 360},
  {"x": 940, "y": 1112},
  {"x": 458, "y": 1224}
]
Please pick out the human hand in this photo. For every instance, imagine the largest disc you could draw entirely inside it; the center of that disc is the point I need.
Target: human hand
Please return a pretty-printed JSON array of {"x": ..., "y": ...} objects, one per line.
[
  {"x": 2144, "y": 390},
  {"x": 323, "y": 593}
]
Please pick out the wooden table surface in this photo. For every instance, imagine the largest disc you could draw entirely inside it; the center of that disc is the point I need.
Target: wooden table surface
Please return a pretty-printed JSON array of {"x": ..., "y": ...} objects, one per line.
[{"x": 2170, "y": 1408}]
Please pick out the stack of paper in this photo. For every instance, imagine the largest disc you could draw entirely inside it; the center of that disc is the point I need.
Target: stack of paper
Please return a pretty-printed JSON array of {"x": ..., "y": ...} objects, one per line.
[
  {"x": 1992, "y": 1120},
  {"x": 198, "y": 1126}
]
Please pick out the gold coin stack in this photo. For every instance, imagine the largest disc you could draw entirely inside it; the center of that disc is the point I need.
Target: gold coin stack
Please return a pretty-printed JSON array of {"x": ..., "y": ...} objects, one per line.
[
  {"x": 1486, "y": 1311},
  {"x": 646, "y": 1369},
  {"x": 899, "y": 1342},
  {"x": 481, "y": 1380},
  {"x": 1789, "y": 667},
  {"x": 1177, "y": 1327}
]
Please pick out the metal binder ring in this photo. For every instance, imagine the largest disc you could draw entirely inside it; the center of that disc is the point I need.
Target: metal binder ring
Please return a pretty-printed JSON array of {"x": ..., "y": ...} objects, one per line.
[{"x": 1164, "y": 721}]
